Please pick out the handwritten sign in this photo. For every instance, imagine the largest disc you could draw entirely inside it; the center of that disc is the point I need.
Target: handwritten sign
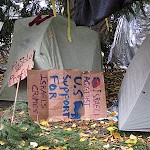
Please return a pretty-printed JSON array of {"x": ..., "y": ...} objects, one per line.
[
  {"x": 38, "y": 94},
  {"x": 66, "y": 94},
  {"x": 94, "y": 95},
  {"x": 20, "y": 67}
]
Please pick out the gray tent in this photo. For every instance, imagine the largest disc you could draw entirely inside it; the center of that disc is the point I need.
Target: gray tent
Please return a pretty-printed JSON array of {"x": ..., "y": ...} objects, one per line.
[
  {"x": 134, "y": 96},
  {"x": 52, "y": 49}
]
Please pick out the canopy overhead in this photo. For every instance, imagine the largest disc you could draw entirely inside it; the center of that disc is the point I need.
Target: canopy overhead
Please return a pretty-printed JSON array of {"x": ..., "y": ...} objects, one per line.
[{"x": 52, "y": 49}]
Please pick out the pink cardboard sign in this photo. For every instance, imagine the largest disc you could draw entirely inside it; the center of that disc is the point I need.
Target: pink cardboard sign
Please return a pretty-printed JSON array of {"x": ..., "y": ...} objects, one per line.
[
  {"x": 94, "y": 95},
  {"x": 59, "y": 95},
  {"x": 20, "y": 67},
  {"x": 38, "y": 94}
]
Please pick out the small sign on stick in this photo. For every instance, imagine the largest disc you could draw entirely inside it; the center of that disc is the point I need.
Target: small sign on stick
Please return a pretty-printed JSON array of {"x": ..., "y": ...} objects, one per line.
[{"x": 20, "y": 67}]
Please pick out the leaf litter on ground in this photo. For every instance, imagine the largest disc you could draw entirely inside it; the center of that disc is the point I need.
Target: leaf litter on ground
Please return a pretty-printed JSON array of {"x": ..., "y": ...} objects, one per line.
[{"x": 87, "y": 134}]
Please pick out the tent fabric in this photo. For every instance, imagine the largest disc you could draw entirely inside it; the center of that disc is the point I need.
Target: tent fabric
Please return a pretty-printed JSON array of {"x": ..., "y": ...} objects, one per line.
[
  {"x": 52, "y": 49},
  {"x": 91, "y": 12},
  {"x": 134, "y": 95}
]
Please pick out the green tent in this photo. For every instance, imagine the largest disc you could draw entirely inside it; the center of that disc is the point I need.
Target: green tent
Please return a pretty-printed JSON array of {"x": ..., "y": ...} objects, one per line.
[{"x": 52, "y": 49}]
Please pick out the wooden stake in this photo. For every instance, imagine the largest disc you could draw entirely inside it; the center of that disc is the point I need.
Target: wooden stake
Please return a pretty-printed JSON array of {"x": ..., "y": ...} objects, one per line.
[{"x": 15, "y": 101}]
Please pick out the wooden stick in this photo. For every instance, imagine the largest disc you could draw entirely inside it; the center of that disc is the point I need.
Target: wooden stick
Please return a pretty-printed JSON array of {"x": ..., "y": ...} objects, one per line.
[{"x": 12, "y": 119}]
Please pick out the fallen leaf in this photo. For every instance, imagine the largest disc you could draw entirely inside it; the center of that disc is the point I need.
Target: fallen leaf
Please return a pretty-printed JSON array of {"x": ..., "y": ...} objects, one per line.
[
  {"x": 123, "y": 147},
  {"x": 129, "y": 145},
  {"x": 68, "y": 129},
  {"x": 112, "y": 140},
  {"x": 93, "y": 138},
  {"x": 44, "y": 123},
  {"x": 56, "y": 141},
  {"x": 22, "y": 144},
  {"x": 84, "y": 135},
  {"x": 104, "y": 140},
  {"x": 24, "y": 129},
  {"x": 36, "y": 122},
  {"x": 133, "y": 137},
  {"x": 95, "y": 132},
  {"x": 93, "y": 125},
  {"x": 102, "y": 122},
  {"x": 82, "y": 139},
  {"x": 2, "y": 142},
  {"x": 130, "y": 148},
  {"x": 142, "y": 140},
  {"x": 117, "y": 136},
  {"x": 43, "y": 148},
  {"x": 111, "y": 130},
  {"x": 106, "y": 146},
  {"x": 112, "y": 114},
  {"x": 131, "y": 141},
  {"x": 73, "y": 125},
  {"x": 87, "y": 119},
  {"x": 21, "y": 113},
  {"x": 57, "y": 148},
  {"x": 34, "y": 144},
  {"x": 63, "y": 148},
  {"x": 1, "y": 127}
]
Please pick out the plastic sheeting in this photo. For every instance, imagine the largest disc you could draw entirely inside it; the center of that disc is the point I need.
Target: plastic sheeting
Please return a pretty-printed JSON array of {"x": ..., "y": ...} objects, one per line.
[{"x": 129, "y": 36}]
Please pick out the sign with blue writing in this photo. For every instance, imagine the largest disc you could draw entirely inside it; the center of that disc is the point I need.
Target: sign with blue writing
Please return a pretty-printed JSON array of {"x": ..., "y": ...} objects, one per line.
[{"x": 65, "y": 94}]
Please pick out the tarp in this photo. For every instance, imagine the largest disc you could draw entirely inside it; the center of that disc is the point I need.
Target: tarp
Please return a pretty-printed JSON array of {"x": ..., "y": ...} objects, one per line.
[
  {"x": 91, "y": 12},
  {"x": 52, "y": 49},
  {"x": 129, "y": 36},
  {"x": 134, "y": 95}
]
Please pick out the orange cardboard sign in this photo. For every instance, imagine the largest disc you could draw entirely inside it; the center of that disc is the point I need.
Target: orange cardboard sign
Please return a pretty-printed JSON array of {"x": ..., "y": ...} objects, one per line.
[
  {"x": 38, "y": 94},
  {"x": 94, "y": 95},
  {"x": 66, "y": 94},
  {"x": 20, "y": 67}
]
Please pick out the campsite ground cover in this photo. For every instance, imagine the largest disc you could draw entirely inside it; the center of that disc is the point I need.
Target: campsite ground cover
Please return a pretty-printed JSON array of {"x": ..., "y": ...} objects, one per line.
[{"x": 26, "y": 134}]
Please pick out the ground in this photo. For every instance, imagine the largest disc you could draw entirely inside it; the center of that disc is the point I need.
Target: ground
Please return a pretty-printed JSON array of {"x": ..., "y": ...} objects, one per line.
[{"x": 24, "y": 133}]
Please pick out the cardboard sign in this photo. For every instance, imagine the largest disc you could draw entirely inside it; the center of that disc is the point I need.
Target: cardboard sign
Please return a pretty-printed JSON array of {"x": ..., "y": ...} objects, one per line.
[
  {"x": 94, "y": 95},
  {"x": 38, "y": 94},
  {"x": 66, "y": 94},
  {"x": 20, "y": 67}
]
